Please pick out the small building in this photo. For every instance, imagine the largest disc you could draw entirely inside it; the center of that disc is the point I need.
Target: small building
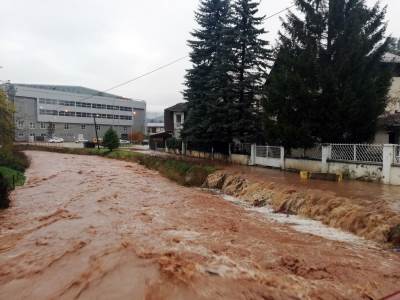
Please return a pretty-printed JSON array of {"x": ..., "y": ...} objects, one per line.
[
  {"x": 389, "y": 124},
  {"x": 152, "y": 128},
  {"x": 174, "y": 118},
  {"x": 69, "y": 112}
]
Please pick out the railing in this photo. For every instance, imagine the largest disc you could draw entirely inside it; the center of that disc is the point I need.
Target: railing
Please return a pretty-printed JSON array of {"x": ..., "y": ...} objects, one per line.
[
  {"x": 268, "y": 151},
  {"x": 396, "y": 159},
  {"x": 243, "y": 149},
  {"x": 362, "y": 153}
]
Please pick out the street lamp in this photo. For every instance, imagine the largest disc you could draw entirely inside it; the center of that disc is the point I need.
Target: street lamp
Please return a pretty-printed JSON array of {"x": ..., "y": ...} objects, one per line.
[
  {"x": 133, "y": 124},
  {"x": 95, "y": 128}
]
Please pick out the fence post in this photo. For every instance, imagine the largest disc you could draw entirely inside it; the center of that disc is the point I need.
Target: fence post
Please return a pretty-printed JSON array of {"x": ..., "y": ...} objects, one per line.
[
  {"x": 183, "y": 148},
  {"x": 355, "y": 152},
  {"x": 282, "y": 158},
  {"x": 252, "y": 161},
  {"x": 388, "y": 156},
  {"x": 326, "y": 155}
]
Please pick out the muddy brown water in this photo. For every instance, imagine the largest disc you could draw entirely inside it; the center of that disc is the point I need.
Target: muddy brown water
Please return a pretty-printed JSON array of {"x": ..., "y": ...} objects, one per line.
[
  {"x": 91, "y": 228},
  {"x": 359, "y": 190}
]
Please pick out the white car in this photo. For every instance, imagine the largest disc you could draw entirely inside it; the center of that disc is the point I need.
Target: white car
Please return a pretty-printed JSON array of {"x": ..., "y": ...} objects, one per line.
[
  {"x": 124, "y": 142},
  {"x": 81, "y": 141},
  {"x": 56, "y": 140}
]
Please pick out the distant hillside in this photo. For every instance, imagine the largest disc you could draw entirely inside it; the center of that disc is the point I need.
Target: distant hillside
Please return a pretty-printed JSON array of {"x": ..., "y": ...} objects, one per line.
[{"x": 154, "y": 117}]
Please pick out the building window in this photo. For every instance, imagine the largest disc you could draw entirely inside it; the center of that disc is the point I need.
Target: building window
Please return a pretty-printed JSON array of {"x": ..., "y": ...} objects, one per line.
[
  {"x": 97, "y": 127},
  {"x": 125, "y": 129},
  {"x": 83, "y": 126},
  {"x": 20, "y": 124},
  {"x": 179, "y": 119},
  {"x": 43, "y": 126},
  {"x": 20, "y": 134},
  {"x": 66, "y": 126},
  {"x": 32, "y": 134},
  {"x": 32, "y": 125}
]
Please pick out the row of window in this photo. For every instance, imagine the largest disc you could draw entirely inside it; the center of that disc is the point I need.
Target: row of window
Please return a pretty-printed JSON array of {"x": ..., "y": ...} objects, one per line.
[
  {"x": 20, "y": 125},
  {"x": 62, "y": 113},
  {"x": 83, "y": 104}
]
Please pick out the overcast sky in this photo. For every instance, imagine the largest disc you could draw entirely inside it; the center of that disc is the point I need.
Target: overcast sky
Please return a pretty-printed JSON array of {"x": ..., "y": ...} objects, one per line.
[{"x": 100, "y": 43}]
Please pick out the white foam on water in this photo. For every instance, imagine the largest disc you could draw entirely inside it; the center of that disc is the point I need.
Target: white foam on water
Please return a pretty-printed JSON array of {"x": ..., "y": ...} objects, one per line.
[{"x": 301, "y": 224}]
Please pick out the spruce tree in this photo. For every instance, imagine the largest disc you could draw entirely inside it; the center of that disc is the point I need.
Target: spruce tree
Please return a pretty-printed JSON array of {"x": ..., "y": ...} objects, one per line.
[
  {"x": 251, "y": 55},
  {"x": 208, "y": 90},
  {"x": 328, "y": 83},
  {"x": 110, "y": 139}
]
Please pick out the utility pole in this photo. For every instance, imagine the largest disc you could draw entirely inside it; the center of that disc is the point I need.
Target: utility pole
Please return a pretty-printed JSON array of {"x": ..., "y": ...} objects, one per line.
[{"x": 95, "y": 129}]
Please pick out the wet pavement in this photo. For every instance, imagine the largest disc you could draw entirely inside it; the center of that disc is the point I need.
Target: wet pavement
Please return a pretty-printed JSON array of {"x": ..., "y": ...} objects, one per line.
[{"x": 92, "y": 228}]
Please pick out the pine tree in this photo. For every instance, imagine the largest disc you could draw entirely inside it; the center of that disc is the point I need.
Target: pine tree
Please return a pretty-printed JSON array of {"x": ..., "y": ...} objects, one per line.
[
  {"x": 110, "y": 139},
  {"x": 251, "y": 57},
  {"x": 328, "y": 83},
  {"x": 208, "y": 82}
]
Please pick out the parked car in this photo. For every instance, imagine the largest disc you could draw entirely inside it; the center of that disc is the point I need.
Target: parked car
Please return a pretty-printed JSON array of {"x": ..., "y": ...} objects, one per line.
[
  {"x": 81, "y": 141},
  {"x": 124, "y": 142},
  {"x": 56, "y": 140}
]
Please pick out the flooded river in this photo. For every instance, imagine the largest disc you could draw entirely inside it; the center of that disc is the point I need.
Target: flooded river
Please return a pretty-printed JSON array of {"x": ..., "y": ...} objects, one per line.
[{"x": 91, "y": 228}]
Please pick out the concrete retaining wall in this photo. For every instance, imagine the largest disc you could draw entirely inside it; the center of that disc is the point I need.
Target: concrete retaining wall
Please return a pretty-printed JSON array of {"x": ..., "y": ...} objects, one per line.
[
  {"x": 240, "y": 159},
  {"x": 303, "y": 165}
]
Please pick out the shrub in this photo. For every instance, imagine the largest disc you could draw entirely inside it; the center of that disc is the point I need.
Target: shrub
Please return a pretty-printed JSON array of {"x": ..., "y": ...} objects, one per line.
[
  {"x": 136, "y": 137},
  {"x": 12, "y": 177},
  {"x": 4, "y": 193},
  {"x": 111, "y": 139},
  {"x": 173, "y": 143},
  {"x": 14, "y": 159}
]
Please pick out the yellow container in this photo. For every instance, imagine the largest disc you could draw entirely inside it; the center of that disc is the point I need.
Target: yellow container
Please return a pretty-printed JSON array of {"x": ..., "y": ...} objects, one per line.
[
  {"x": 304, "y": 175},
  {"x": 340, "y": 177}
]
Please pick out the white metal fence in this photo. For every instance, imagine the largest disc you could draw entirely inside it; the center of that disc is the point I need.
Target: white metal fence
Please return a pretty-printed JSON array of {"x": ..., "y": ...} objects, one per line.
[
  {"x": 361, "y": 153},
  {"x": 268, "y": 152},
  {"x": 396, "y": 159}
]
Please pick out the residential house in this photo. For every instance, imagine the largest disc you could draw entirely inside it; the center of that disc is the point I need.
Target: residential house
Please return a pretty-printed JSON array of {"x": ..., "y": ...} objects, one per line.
[
  {"x": 174, "y": 118},
  {"x": 389, "y": 124}
]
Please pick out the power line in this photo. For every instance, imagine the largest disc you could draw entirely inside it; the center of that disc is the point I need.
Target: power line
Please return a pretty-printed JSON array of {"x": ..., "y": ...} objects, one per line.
[
  {"x": 148, "y": 73},
  {"x": 177, "y": 60},
  {"x": 279, "y": 12},
  {"x": 170, "y": 63}
]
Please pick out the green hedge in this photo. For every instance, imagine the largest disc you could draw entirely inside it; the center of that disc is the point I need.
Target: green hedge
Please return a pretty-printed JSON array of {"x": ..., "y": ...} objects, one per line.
[{"x": 12, "y": 177}]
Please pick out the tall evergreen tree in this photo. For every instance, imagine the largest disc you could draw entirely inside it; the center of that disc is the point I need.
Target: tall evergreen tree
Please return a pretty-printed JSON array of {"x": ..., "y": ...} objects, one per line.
[
  {"x": 328, "y": 83},
  {"x": 251, "y": 55},
  {"x": 6, "y": 121},
  {"x": 208, "y": 82}
]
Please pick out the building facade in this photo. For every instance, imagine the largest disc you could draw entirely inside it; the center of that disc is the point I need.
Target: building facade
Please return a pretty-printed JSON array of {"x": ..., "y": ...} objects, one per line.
[
  {"x": 388, "y": 131},
  {"x": 174, "y": 118},
  {"x": 69, "y": 112},
  {"x": 152, "y": 128}
]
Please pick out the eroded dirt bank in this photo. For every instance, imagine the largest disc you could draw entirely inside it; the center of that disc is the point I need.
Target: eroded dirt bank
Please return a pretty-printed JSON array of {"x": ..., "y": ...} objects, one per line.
[
  {"x": 374, "y": 219},
  {"x": 92, "y": 228}
]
